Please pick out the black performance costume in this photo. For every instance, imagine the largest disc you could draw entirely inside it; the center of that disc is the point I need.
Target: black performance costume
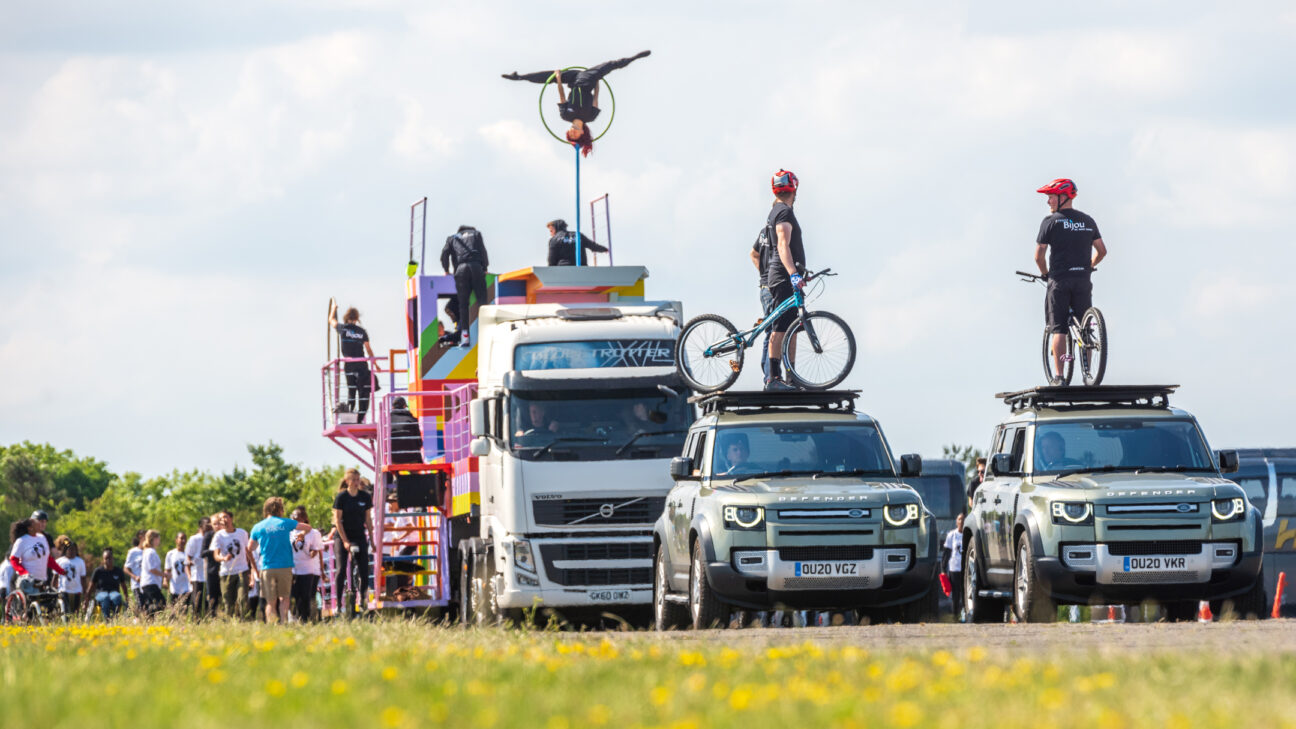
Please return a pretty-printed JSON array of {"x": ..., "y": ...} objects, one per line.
[
  {"x": 580, "y": 85},
  {"x": 354, "y": 512},
  {"x": 562, "y": 248},
  {"x": 465, "y": 254},
  {"x": 359, "y": 384},
  {"x": 776, "y": 276},
  {"x": 1069, "y": 234},
  {"x": 406, "y": 438}
]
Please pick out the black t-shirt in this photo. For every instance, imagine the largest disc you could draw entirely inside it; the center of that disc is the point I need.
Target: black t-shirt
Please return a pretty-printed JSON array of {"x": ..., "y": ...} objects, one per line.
[
  {"x": 764, "y": 248},
  {"x": 353, "y": 512},
  {"x": 353, "y": 337},
  {"x": 1069, "y": 234},
  {"x": 562, "y": 248},
  {"x": 213, "y": 567},
  {"x": 776, "y": 274},
  {"x": 107, "y": 580}
]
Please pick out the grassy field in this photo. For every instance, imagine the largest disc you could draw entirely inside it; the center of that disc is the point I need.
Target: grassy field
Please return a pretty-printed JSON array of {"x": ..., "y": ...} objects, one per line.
[{"x": 399, "y": 674}]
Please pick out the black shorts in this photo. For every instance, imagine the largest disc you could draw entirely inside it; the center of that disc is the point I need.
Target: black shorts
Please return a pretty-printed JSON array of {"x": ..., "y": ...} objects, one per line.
[
  {"x": 1066, "y": 297},
  {"x": 781, "y": 291}
]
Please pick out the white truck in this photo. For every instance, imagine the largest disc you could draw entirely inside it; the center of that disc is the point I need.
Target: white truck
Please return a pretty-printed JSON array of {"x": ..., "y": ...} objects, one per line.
[{"x": 577, "y": 415}]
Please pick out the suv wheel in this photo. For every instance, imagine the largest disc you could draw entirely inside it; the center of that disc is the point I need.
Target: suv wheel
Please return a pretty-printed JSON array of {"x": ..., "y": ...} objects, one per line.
[
  {"x": 1030, "y": 602},
  {"x": 667, "y": 615},
  {"x": 978, "y": 609},
  {"x": 705, "y": 608},
  {"x": 925, "y": 609},
  {"x": 1253, "y": 605}
]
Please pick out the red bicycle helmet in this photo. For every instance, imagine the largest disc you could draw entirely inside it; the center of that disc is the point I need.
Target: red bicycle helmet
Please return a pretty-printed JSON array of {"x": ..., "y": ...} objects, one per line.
[
  {"x": 1061, "y": 186},
  {"x": 784, "y": 181}
]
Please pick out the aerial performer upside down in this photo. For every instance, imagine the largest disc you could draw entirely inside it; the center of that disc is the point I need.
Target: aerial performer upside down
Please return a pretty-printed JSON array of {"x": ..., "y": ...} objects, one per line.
[{"x": 578, "y": 103}]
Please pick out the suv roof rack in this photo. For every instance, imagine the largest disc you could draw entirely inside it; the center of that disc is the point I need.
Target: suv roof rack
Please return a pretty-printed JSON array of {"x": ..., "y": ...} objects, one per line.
[
  {"x": 835, "y": 401},
  {"x": 1133, "y": 396}
]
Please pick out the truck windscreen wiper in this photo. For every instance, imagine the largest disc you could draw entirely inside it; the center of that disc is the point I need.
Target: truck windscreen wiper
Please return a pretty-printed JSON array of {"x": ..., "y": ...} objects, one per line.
[
  {"x": 856, "y": 472},
  {"x": 643, "y": 434},
  {"x": 775, "y": 474},
  {"x": 546, "y": 447}
]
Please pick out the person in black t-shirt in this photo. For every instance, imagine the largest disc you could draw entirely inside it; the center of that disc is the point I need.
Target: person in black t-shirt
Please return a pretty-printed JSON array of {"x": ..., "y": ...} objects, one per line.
[
  {"x": 406, "y": 437},
  {"x": 1067, "y": 250},
  {"x": 354, "y": 345},
  {"x": 579, "y": 103},
  {"x": 465, "y": 253},
  {"x": 106, "y": 585},
  {"x": 784, "y": 271},
  {"x": 352, "y": 507},
  {"x": 562, "y": 244}
]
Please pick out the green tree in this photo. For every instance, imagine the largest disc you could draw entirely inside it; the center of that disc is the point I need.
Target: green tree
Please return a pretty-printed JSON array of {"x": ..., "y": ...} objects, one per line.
[
  {"x": 39, "y": 476},
  {"x": 967, "y": 454}
]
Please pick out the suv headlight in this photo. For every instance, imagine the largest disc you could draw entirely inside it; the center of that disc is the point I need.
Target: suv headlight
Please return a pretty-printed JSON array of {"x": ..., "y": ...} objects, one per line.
[
  {"x": 1228, "y": 509},
  {"x": 1072, "y": 512},
  {"x": 522, "y": 557},
  {"x": 898, "y": 515},
  {"x": 743, "y": 517}
]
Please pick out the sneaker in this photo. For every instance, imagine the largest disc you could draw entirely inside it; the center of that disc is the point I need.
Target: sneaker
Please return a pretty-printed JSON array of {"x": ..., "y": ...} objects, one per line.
[
  {"x": 464, "y": 341},
  {"x": 778, "y": 386}
]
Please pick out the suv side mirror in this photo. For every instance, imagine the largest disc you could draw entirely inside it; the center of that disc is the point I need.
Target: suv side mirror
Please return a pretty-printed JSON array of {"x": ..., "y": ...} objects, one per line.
[
  {"x": 477, "y": 418},
  {"x": 1001, "y": 464},
  {"x": 1228, "y": 461},
  {"x": 681, "y": 468},
  {"x": 910, "y": 465}
]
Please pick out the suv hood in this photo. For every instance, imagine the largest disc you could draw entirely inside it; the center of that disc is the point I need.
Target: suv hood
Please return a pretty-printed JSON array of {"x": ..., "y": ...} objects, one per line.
[
  {"x": 803, "y": 491},
  {"x": 1127, "y": 487}
]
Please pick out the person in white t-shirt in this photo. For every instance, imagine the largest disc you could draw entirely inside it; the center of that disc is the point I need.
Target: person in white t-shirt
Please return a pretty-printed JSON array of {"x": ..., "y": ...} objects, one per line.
[
  {"x": 197, "y": 565},
  {"x": 7, "y": 575},
  {"x": 30, "y": 557},
  {"x": 72, "y": 585},
  {"x": 151, "y": 573},
  {"x": 308, "y": 565},
  {"x": 132, "y": 565},
  {"x": 176, "y": 567},
  {"x": 953, "y": 553},
  {"x": 230, "y": 548}
]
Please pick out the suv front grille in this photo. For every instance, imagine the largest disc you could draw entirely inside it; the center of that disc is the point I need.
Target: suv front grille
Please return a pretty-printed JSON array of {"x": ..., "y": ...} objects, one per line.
[
  {"x": 641, "y": 510},
  {"x": 826, "y": 554},
  {"x": 1138, "y": 549}
]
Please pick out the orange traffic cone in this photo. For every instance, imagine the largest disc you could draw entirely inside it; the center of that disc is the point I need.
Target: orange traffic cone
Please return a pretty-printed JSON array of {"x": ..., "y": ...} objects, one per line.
[
  {"x": 1204, "y": 612},
  {"x": 1278, "y": 594}
]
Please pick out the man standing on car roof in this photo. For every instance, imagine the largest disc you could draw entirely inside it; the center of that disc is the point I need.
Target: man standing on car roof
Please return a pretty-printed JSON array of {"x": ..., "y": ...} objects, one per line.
[
  {"x": 1067, "y": 250},
  {"x": 786, "y": 268}
]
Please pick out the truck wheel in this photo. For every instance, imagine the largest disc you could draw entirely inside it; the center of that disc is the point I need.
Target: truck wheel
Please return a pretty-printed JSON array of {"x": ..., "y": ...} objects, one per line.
[
  {"x": 1030, "y": 602},
  {"x": 667, "y": 615},
  {"x": 705, "y": 607},
  {"x": 486, "y": 607},
  {"x": 466, "y": 598},
  {"x": 978, "y": 609}
]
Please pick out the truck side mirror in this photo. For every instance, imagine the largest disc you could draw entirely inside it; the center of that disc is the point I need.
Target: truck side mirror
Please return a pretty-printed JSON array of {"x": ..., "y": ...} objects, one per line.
[
  {"x": 1001, "y": 464},
  {"x": 479, "y": 447},
  {"x": 681, "y": 468},
  {"x": 910, "y": 465},
  {"x": 477, "y": 418},
  {"x": 1228, "y": 461}
]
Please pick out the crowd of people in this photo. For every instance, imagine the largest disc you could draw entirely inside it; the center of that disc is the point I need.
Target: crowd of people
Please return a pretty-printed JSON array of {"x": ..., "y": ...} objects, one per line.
[{"x": 270, "y": 573}]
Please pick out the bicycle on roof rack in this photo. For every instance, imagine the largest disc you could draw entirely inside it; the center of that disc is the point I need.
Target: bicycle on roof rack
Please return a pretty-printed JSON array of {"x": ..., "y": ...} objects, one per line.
[
  {"x": 818, "y": 351},
  {"x": 1086, "y": 340}
]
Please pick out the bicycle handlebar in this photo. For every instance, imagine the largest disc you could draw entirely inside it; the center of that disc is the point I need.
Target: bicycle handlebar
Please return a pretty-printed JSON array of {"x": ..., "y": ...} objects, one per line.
[
  {"x": 812, "y": 275},
  {"x": 1031, "y": 276}
]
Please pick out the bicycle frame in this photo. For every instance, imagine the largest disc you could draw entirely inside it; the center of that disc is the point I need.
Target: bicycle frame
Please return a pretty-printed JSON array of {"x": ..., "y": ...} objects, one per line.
[{"x": 746, "y": 339}]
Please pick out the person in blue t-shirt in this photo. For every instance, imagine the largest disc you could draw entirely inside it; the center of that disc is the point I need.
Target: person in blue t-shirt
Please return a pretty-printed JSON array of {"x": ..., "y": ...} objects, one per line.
[{"x": 272, "y": 536}]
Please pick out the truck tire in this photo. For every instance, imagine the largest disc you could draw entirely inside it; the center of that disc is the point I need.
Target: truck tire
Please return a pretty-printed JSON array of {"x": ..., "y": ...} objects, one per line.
[
  {"x": 466, "y": 616},
  {"x": 1031, "y": 603},
  {"x": 705, "y": 608},
  {"x": 667, "y": 615},
  {"x": 978, "y": 609}
]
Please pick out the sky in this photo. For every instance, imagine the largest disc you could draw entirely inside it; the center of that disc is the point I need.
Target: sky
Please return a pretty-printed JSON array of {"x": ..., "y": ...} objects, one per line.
[{"x": 184, "y": 186}]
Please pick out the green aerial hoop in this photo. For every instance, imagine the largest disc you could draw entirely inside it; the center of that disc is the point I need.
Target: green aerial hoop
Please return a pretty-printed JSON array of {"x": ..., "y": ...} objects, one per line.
[{"x": 611, "y": 114}]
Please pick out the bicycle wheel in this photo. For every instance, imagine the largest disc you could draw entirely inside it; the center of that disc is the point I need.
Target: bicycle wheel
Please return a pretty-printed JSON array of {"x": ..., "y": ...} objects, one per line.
[
  {"x": 708, "y": 354},
  {"x": 15, "y": 608},
  {"x": 819, "y": 350},
  {"x": 1093, "y": 346},
  {"x": 1068, "y": 362}
]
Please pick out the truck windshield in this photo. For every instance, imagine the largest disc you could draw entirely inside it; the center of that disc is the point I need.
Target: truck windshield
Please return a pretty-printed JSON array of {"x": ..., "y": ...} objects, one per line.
[
  {"x": 827, "y": 448},
  {"x": 1125, "y": 444},
  {"x": 597, "y": 425}
]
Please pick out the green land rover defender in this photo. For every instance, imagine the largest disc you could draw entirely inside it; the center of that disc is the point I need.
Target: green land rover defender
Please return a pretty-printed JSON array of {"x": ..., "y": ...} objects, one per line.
[
  {"x": 1107, "y": 495},
  {"x": 790, "y": 499}
]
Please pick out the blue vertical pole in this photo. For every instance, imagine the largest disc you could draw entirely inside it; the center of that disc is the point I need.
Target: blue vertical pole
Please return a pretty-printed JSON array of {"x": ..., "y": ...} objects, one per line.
[{"x": 578, "y": 206}]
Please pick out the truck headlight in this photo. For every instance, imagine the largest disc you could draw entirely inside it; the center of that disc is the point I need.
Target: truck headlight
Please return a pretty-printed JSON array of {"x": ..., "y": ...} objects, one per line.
[
  {"x": 1072, "y": 512},
  {"x": 743, "y": 517},
  {"x": 898, "y": 515},
  {"x": 522, "y": 557},
  {"x": 1228, "y": 509}
]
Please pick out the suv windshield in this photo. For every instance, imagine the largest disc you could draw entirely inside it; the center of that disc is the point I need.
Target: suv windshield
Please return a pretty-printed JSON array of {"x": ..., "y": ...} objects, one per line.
[
  {"x": 800, "y": 447},
  {"x": 596, "y": 426},
  {"x": 1154, "y": 444}
]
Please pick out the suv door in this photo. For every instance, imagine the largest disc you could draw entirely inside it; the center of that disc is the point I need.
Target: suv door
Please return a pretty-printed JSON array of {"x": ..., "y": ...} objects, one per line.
[
  {"x": 680, "y": 507},
  {"x": 999, "y": 507}
]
